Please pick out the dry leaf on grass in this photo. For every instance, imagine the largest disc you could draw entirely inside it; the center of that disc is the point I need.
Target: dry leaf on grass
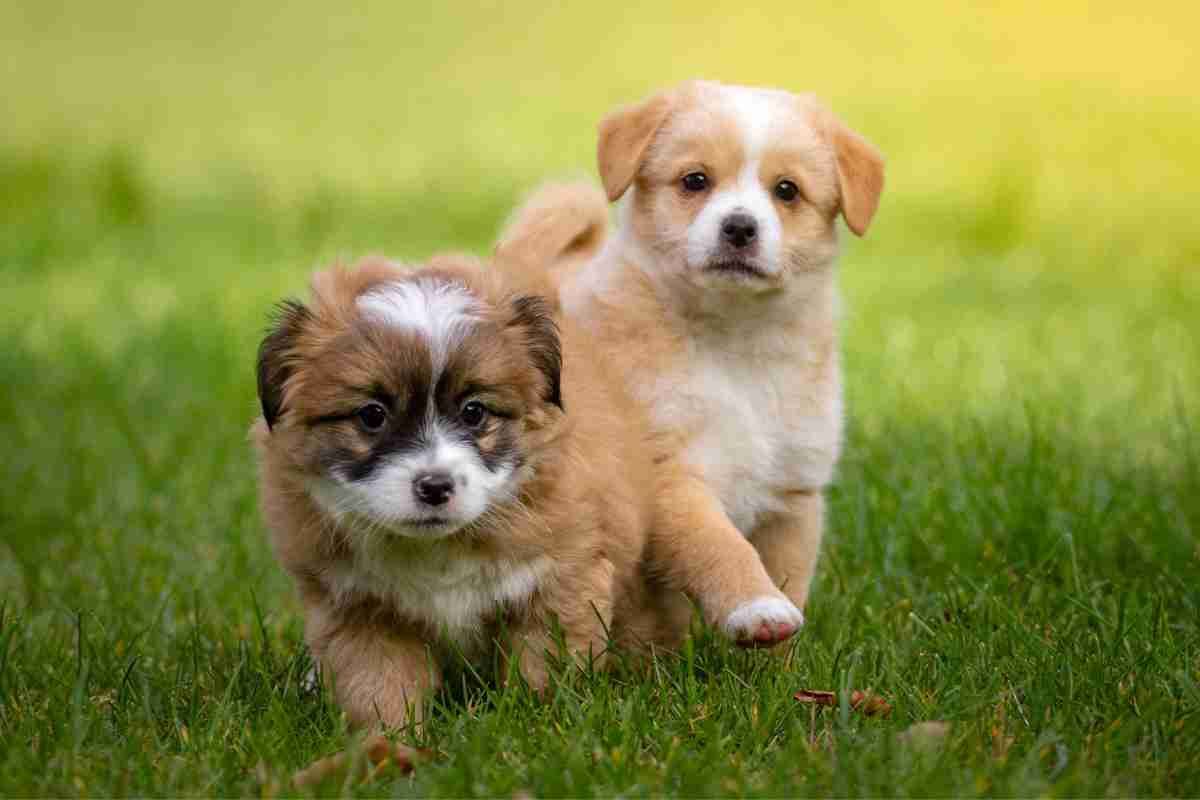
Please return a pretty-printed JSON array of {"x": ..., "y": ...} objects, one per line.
[
  {"x": 374, "y": 756},
  {"x": 866, "y": 703},
  {"x": 815, "y": 697},
  {"x": 870, "y": 704}
]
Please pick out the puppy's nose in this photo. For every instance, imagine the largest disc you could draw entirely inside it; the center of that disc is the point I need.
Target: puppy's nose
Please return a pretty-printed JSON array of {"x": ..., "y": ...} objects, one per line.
[
  {"x": 433, "y": 488},
  {"x": 739, "y": 229}
]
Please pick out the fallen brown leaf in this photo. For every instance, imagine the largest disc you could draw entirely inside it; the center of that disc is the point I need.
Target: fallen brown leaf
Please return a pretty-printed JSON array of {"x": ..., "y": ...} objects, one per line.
[
  {"x": 870, "y": 704},
  {"x": 377, "y": 755},
  {"x": 819, "y": 698},
  {"x": 866, "y": 703}
]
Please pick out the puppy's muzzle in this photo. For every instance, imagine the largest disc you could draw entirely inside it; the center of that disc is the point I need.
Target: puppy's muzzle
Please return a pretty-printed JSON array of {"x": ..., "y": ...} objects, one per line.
[{"x": 433, "y": 488}]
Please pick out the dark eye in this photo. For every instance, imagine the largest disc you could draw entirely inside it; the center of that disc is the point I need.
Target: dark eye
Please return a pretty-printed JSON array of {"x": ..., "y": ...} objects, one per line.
[
  {"x": 372, "y": 416},
  {"x": 786, "y": 191},
  {"x": 695, "y": 182},
  {"x": 473, "y": 414}
]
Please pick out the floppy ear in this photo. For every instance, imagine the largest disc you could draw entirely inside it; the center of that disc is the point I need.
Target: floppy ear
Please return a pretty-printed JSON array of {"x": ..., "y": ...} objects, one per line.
[
  {"x": 275, "y": 358},
  {"x": 532, "y": 314},
  {"x": 624, "y": 136},
  {"x": 860, "y": 177}
]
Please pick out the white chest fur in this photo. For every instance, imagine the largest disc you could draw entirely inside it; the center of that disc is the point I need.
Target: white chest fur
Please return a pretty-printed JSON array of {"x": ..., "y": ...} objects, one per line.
[
  {"x": 451, "y": 590},
  {"x": 758, "y": 422}
]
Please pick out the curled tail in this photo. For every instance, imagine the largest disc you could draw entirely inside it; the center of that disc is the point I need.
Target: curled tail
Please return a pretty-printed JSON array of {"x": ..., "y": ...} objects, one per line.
[{"x": 561, "y": 226}]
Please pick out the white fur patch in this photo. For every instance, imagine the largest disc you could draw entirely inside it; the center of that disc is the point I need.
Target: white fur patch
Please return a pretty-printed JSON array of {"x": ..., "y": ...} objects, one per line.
[
  {"x": 440, "y": 311},
  {"x": 753, "y": 110},
  {"x": 760, "y": 424},
  {"x": 447, "y": 588},
  {"x": 749, "y": 616}
]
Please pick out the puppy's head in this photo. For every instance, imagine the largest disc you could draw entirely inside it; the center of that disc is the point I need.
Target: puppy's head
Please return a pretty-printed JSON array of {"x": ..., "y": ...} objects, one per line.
[
  {"x": 737, "y": 187},
  {"x": 410, "y": 402}
]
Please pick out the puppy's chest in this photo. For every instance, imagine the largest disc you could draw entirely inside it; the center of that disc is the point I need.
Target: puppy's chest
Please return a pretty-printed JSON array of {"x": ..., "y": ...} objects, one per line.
[
  {"x": 755, "y": 429},
  {"x": 456, "y": 594}
]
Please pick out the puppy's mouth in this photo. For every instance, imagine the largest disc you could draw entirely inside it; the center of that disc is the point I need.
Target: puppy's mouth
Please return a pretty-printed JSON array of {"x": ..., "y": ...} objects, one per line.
[
  {"x": 736, "y": 268},
  {"x": 430, "y": 524}
]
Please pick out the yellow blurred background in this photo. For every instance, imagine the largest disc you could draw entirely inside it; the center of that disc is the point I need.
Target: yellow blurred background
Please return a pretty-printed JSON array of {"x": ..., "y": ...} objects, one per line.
[{"x": 1095, "y": 103}]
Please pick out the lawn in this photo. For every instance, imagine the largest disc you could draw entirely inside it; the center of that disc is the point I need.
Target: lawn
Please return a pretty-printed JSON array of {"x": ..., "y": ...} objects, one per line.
[{"x": 1014, "y": 537}]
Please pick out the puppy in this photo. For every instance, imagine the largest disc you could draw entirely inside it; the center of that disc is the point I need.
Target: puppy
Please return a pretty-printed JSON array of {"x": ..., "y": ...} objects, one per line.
[
  {"x": 717, "y": 298},
  {"x": 426, "y": 490}
]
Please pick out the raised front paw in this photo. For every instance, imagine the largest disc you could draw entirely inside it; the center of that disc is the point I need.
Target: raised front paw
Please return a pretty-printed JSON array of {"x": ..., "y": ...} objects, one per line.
[{"x": 763, "y": 621}]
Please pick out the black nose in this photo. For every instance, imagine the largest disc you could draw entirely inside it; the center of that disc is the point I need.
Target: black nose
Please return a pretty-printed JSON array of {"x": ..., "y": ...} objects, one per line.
[
  {"x": 433, "y": 488},
  {"x": 739, "y": 229}
]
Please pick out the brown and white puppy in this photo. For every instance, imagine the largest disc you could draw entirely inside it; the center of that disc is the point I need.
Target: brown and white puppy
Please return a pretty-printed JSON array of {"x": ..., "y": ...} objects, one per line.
[
  {"x": 424, "y": 487},
  {"x": 716, "y": 295}
]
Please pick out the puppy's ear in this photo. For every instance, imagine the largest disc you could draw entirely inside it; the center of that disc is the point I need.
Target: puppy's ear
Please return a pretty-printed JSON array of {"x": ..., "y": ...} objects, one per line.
[
  {"x": 860, "y": 176},
  {"x": 531, "y": 314},
  {"x": 276, "y": 358},
  {"x": 624, "y": 136}
]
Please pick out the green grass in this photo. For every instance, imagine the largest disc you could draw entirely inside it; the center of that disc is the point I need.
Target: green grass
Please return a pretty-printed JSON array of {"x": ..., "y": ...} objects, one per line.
[{"x": 1014, "y": 531}]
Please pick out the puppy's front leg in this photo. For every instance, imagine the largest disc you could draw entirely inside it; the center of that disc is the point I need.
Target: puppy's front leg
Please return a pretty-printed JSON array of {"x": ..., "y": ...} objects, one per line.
[
  {"x": 381, "y": 672},
  {"x": 790, "y": 544},
  {"x": 699, "y": 551},
  {"x": 582, "y": 605}
]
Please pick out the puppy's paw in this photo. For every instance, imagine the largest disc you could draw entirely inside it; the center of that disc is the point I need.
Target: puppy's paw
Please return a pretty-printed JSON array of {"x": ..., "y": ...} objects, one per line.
[{"x": 763, "y": 622}]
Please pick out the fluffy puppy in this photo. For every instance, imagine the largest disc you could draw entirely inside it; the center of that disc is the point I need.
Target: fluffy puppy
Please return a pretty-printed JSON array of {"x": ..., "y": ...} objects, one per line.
[
  {"x": 716, "y": 296},
  {"x": 425, "y": 489}
]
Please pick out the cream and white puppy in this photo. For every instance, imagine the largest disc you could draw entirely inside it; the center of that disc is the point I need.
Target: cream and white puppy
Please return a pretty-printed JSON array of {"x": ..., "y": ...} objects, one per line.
[{"x": 717, "y": 296}]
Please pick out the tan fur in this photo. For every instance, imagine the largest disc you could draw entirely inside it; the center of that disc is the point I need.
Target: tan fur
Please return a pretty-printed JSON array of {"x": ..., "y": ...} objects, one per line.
[
  {"x": 624, "y": 136},
  {"x": 686, "y": 342},
  {"x": 585, "y": 509},
  {"x": 561, "y": 225},
  {"x": 790, "y": 543},
  {"x": 860, "y": 176}
]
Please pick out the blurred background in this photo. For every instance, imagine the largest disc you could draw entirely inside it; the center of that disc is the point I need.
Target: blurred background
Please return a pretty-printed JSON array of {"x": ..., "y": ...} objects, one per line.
[{"x": 169, "y": 170}]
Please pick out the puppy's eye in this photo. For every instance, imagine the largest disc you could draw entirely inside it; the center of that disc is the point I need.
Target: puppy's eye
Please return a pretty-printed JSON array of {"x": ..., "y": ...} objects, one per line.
[
  {"x": 695, "y": 182},
  {"x": 372, "y": 416},
  {"x": 473, "y": 414},
  {"x": 786, "y": 191}
]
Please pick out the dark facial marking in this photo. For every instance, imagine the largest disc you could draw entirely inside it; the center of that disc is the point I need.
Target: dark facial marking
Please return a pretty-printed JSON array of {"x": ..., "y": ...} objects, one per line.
[
  {"x": 403, "y": 371},
  {"x": 493, "y": 438},
  {"x": 404, "y": 431},
  {"x": 503, "y": 450}
]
